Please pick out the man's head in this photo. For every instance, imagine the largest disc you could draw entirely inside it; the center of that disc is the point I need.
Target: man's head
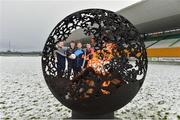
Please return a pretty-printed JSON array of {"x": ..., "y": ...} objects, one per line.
[
  {"x": 104, "y": 43},
  {"x": 79, "y": 45},
  {"x": 60, "y": 44},
  {"x": 88, "y": 46},
  {"x": 72, "y": 44},
  {"x": 92, "y": 40}
]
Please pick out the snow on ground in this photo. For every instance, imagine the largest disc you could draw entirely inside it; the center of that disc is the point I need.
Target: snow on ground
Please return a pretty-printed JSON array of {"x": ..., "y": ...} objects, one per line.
[{"x": 25, "y": 95}]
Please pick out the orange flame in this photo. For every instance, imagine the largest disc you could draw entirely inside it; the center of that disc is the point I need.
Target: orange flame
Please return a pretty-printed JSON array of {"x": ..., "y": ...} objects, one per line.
[
  {"x": 101, "y": 58},
  {"x": 97, "y": 62}
]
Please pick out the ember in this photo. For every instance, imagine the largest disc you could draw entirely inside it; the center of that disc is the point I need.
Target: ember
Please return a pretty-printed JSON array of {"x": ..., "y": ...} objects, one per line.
[{"x": 106, "y": 83}]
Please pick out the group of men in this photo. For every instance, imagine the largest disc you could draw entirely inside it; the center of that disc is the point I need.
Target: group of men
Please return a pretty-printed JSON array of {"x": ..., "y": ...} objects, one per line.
[{"x": 76, "y": 57}]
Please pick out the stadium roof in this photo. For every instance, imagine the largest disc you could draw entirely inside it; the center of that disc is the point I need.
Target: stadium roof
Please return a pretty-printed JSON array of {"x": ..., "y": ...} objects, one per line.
[{"x": 153, "y": 15}]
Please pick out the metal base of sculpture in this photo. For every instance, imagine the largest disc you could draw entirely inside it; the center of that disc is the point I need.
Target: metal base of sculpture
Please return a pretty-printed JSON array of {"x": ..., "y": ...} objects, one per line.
[{"x": 77, "y": 115}]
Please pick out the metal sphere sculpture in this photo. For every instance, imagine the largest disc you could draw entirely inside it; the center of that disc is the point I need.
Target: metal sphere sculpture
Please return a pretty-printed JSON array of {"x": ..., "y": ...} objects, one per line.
[{"x": 110, "y": 76}]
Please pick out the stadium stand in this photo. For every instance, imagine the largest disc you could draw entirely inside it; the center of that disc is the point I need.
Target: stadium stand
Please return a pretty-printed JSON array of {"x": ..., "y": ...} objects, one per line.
[
  {"x": 149, "y": 43},
  {"x": 164, "y": 43},
  {"x": 160, "y": 27},
  {"x": 176, "y": 44}
]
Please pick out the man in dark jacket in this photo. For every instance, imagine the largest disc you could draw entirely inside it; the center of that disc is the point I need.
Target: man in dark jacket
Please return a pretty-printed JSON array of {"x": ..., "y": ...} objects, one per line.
[
  {"x": 89, "y": 53},
  {"x": 61, "y": 58}
]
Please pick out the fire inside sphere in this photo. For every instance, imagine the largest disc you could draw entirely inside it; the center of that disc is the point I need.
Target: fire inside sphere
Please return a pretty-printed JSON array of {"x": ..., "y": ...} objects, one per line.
[{"x": 94, "y": 61}]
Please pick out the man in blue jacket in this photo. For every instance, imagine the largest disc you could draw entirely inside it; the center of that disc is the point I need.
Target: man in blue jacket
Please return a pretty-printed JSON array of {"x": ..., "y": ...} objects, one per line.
[{"x": 79, "y": 57}]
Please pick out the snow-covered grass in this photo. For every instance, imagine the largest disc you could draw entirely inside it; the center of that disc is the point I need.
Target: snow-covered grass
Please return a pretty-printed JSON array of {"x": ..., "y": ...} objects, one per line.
[{"x": 25, "y": 95}]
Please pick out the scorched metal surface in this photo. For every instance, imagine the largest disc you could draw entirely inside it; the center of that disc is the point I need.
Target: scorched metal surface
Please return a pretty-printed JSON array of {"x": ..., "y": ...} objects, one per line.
[{"x": 114, "y": 73}]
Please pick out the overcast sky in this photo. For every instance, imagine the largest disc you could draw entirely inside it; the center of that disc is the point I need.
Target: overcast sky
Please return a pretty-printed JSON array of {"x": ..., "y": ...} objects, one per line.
[{"x": 26, "y": 24}]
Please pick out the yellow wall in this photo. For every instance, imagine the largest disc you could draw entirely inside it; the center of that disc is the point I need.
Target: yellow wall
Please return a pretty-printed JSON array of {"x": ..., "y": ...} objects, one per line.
[{"x": 163, "y": 52}]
